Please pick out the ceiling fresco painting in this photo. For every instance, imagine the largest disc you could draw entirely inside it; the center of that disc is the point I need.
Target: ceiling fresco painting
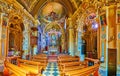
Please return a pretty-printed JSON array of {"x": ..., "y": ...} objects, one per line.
[
  {"x": 34, "y": 6},
  {"x": 52, "y": 26},
  {"x": 52, "y": 11}
]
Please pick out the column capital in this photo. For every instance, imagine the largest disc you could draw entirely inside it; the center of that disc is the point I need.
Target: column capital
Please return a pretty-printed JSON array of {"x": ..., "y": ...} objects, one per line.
[
  {"x": 69, "y": 19},
  {"x": 70, "y": 23}
]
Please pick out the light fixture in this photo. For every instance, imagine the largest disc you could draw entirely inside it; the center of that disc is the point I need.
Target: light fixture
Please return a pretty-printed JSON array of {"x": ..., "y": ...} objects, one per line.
[{"x": 94, "y": 25}]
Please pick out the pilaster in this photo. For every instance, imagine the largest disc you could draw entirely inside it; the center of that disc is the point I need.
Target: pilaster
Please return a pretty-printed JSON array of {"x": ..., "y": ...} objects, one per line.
[{"x": 71, "y": 38}]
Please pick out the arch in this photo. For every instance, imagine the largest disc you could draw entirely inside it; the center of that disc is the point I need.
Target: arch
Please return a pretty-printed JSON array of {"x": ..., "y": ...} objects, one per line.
[
  {"x": 15, "y": 18},
  {"x": 16, "y": 28},
  {"x": 88, "y": 14},
  {"x": 55, "y": 24}
]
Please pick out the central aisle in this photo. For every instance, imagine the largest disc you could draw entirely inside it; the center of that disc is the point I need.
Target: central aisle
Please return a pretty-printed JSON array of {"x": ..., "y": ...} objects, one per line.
[{"x": 51, "y": 69}]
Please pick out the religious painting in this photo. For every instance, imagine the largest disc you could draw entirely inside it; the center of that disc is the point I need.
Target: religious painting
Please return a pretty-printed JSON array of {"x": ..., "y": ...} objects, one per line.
[
  {"x": 118, "y": 14},
  {"x": 4, "y": 20},
  {"x": 103, "y": 21}
]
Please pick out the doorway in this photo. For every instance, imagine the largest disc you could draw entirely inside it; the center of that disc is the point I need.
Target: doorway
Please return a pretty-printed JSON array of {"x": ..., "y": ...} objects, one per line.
[{"x": 112, "y": 56}]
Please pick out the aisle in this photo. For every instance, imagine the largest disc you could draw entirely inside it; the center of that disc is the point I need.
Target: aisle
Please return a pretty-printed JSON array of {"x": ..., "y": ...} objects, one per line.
[
  {"x": 52, "y": 58},
  {"x": 51, "y": 69}
]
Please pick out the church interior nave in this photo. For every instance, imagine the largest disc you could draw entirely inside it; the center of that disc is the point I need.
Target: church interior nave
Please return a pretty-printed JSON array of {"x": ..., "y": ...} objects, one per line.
[{"x": 59, "y": 38}]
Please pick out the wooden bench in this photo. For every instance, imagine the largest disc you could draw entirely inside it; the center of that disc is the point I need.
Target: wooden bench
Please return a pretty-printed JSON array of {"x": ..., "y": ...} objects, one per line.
[
  {"x": 95, "y": 61},
  {"x": 40, "y": 58},
  {"x": 84, "y": 72},
  {"x": 64, "y": 56},
  {"x": 14, "y": 70},
  {"x": 33, "y": 67},
  {"x": 12, "y": 59},
  {"x": 41, "y": 54},
  {"x": 66, "y": 60},
  {"x": 72, "y": 66}
]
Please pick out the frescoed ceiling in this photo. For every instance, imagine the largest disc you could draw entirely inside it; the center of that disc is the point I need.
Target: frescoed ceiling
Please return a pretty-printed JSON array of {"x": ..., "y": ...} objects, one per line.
[
  {"x": 34, "y": 6},
  {"x": 52, "y": 11}
]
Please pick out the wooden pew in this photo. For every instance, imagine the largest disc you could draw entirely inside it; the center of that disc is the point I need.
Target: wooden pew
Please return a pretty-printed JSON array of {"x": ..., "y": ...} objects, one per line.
[
  {"x": 72, "y": 66},
  {"x": 64, "y": 56},
  {"x": 40, "y": 58},
  {"x": 33, "y": 67},
  {"x": 13, "y": 59},
  {"x": 84, "y": 72},
  {"x": 41, "y": 54},
  {"x": 67, "y": 60},
  {"x": 95, "y": 61},
  {"x": 14, "y": 70}
]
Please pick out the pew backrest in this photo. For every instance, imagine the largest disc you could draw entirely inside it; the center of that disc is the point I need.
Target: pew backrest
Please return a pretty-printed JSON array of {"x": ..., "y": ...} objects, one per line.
[
  {"x": 83, "y": 72},
  {"x": 18, "y": 71}
]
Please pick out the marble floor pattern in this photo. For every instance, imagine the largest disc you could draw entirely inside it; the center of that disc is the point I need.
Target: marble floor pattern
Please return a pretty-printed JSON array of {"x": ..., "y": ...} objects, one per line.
[{"x": 51, "y": 69}]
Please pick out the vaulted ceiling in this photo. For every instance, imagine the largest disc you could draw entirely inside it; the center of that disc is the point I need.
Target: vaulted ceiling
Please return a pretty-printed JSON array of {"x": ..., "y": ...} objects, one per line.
[{"x": 34, "y": 6}]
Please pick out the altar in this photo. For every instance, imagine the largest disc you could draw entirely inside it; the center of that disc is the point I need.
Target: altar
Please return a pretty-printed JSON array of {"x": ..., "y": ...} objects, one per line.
[{"x": 53, "y": 50}]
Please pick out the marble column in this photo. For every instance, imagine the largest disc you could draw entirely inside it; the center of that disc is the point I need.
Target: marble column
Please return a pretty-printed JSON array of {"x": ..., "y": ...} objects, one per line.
[{"x": 71, "y": 38}]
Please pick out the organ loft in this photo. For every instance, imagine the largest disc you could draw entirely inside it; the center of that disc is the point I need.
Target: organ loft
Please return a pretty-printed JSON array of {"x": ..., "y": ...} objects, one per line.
[{"x": 59, "y": 37}]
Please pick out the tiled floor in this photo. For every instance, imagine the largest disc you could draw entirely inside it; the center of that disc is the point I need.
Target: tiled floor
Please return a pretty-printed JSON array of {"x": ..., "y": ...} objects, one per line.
[{"x": 51, "y": 69}]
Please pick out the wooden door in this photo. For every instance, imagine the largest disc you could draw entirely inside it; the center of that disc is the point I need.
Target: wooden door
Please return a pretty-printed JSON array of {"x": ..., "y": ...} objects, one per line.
[{"x": 112, "y": 57}]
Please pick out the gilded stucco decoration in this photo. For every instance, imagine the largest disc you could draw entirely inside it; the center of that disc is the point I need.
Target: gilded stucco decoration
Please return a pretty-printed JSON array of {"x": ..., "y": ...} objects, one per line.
[{"x": 28, "y": 4}]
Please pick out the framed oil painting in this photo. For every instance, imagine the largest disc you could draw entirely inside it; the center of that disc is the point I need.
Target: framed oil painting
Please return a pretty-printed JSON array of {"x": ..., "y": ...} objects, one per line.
[
  {"x": 4, "y": 20},
  {"x": 103, "y": 21},
  {"x": 118, "y": 14}
]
